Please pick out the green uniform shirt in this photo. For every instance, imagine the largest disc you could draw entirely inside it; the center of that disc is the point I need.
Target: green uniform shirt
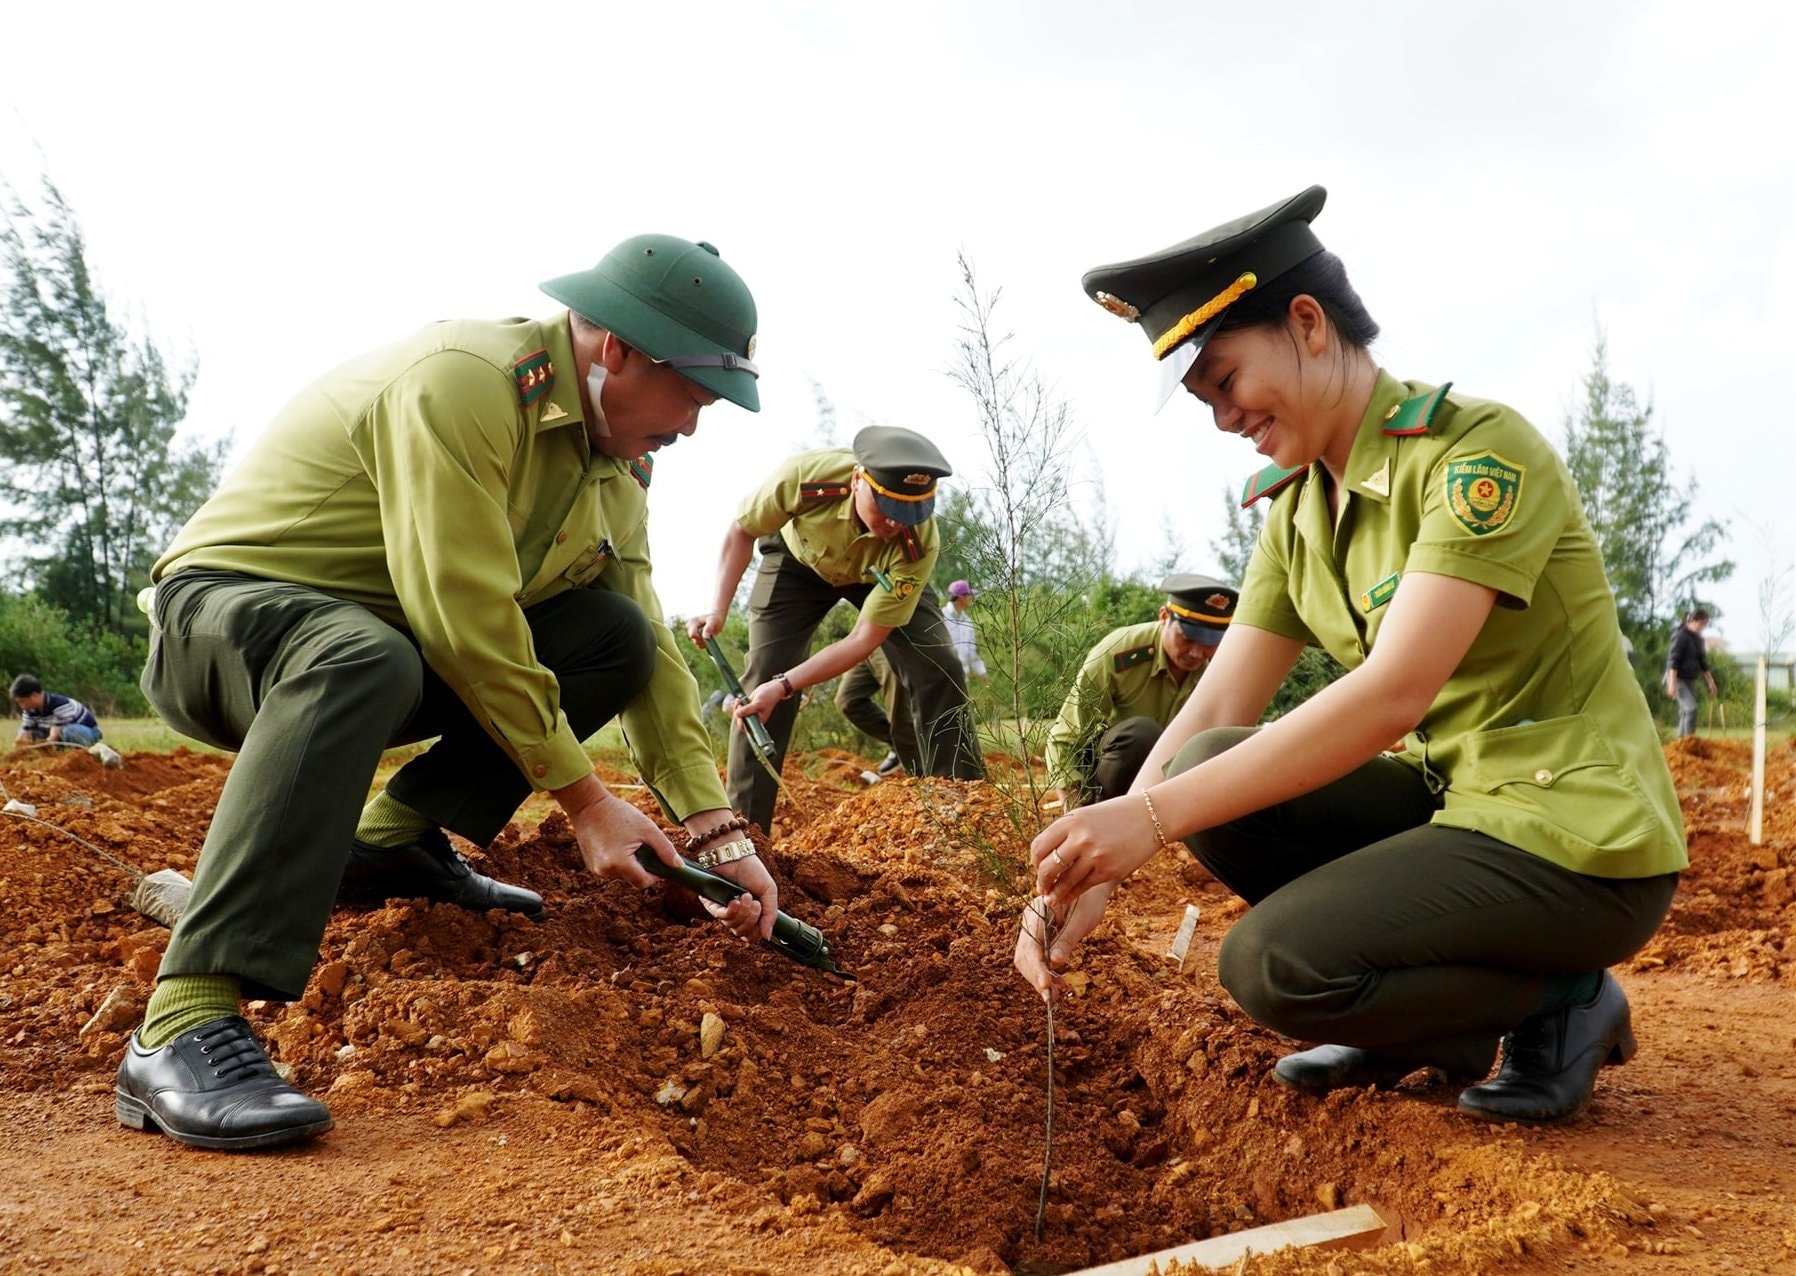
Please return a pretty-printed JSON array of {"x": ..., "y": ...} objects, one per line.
[
  {"x": 1541, "y": 737},
  {"x": 445, "y": 483},
  {"x": 1125, "y": 676},
  {"x": 807, "y": 502}
]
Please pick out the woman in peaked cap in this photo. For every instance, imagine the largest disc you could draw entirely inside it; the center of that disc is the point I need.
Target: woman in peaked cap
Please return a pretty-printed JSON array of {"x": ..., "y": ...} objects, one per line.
[{"x": 1415, "y": 905}]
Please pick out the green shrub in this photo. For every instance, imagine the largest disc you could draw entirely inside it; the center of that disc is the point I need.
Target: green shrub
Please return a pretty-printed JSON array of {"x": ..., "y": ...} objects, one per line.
[{"x": 73, "y": 658}]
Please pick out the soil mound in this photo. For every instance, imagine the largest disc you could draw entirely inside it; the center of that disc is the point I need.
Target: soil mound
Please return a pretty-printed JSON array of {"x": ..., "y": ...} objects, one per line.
[{"x": 902, "y": 1112}]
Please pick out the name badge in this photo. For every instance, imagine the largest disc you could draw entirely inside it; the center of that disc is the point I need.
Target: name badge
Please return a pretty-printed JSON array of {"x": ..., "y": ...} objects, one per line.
[{"x": 1379, "y": 594}]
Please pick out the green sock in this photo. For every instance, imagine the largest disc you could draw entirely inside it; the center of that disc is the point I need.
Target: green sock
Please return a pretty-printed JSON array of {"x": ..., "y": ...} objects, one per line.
[
  {"x": 181, "y": 1002},
  {"x": 387, "y": 822},
  {"x": 1568, "y": 990}
]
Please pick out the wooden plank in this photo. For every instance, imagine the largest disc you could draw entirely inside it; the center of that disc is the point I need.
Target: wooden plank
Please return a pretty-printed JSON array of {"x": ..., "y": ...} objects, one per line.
[{"x": 1357, "y": 1227}]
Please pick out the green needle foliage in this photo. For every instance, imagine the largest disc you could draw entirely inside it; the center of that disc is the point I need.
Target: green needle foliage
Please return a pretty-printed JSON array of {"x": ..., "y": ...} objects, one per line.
[
  {"x": 93, "y": 482},
  {"x": 1656, "y": 555}
]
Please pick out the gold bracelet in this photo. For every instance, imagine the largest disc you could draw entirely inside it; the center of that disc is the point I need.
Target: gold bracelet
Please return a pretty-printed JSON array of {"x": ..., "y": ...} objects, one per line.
[
  {"x": 728, "y": 853},
  {"x": 1155, "y": 817}
]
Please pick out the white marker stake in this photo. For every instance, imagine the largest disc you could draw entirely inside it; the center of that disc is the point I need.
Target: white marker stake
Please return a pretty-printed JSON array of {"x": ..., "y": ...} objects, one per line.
[{"x": 1181, "y": 942}]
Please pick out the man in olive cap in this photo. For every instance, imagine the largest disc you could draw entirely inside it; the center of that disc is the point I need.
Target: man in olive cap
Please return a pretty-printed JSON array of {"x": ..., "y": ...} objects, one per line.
[
  {"x": 1129, "y": 688},
  {"x": 855, "y": 525},
  {"x": 445, "y": 537}
]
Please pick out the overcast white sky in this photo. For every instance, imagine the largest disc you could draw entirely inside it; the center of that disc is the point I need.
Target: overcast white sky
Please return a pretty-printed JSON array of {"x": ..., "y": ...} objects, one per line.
[{"x": 278, "y": 188}]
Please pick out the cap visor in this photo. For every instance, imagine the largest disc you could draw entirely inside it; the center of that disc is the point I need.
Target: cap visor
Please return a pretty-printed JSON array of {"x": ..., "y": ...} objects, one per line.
[
  {"x": 1207, "y": 635},
  {"x": 910, "y": 513},
  {"x": 1179, "y": 360}
]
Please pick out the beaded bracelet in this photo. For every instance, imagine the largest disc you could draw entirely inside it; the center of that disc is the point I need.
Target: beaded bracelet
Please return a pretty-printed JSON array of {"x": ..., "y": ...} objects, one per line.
[
  {"x": 728, "y": 853},
  {"x": 735, "y": 824},
  {"x": 1155, "y": 817}
]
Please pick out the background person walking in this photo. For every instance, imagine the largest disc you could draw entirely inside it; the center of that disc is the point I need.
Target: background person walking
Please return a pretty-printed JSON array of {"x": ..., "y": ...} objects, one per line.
[{"x": 1687, "y": 660}]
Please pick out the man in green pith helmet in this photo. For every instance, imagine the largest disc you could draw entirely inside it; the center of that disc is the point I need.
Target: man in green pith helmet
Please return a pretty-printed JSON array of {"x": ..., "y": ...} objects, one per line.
[
  {"x": 445, "y": 537},
  {"x": 1130, "y": 686},
  {"x": 843, "y": 524}
]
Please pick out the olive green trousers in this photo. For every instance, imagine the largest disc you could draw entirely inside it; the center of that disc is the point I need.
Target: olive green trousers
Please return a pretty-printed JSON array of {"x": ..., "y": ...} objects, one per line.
[
  {"x": 893, "y": 726},
  {"x": 308, "y": 690},
  {"x": 1112, "y": 761},
  {"x": 1371, "y": 927}
]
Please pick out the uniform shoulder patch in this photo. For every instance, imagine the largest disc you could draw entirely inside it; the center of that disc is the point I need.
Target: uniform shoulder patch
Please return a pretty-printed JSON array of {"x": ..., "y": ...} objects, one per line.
[
  {"x": 534, "y": 374},
  {"x": 821, "y": 491},
  {"x": 1268, "y": 481},
  {"x": 1484, "y": 491},
  {"x": 1414, "y": 416},
  {"x": 911, "y": 544},
  {"x": 1132, "y": 657},
  {"x": 642, "y": 469}
]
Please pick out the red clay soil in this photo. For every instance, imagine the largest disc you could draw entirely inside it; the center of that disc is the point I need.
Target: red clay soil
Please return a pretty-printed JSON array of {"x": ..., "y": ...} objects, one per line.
[{"x": 516, "y": 1096}]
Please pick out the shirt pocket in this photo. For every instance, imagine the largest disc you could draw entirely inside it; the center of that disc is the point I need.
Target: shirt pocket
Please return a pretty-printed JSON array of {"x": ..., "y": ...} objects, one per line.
[
  {"x": 588, "y": 564},
  {"x": 1560, "y": 775}
]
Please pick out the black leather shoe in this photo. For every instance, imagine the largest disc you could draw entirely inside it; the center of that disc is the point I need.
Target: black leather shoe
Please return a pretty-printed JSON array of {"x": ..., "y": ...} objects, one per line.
[
  {"x": 1339, "y": 1067},
  {"x": 1550, "y": 1062},
  {"x": 432, "y": 868},
  {"x": 213, "y": 1087}
]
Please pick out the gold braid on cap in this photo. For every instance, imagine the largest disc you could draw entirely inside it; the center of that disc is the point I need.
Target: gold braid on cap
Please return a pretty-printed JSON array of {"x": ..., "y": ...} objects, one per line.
[
  {"x": 896, "y": 496},
  {"x": 1204, "y": 313},
  {"x": 1185, "y": 613}
]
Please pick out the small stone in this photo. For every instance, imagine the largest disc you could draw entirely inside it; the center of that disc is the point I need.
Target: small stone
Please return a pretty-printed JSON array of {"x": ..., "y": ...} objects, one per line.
[
  {"x": 888, "y": 930},
  {"x": 992, "y": 1056},
  {"x": 331, "y": 978},
  {"x": 101, "y": 907},
  {"x": 470, "y": 1107},
  {"x": 710, "y": 1035},
  {"x": 345, "y": 1053},
  {"x": 284, "y": 1071},
  {"x": 671, "y": 1092},
  {"x": 118, "y": 1012},
  {"x": 510, "y": 1056}
]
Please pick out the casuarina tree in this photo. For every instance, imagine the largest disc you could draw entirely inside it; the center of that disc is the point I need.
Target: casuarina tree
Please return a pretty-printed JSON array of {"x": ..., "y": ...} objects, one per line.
[
  {"x": 94, "y": 481},
  {"x": 1657, "y": 556}
]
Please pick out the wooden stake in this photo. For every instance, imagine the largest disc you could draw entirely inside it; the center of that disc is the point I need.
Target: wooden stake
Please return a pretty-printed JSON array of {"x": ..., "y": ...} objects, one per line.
[
  {"x": 1758, "y": 755},
  {"x": 1181, "y": 942},
  {"x": 1358, "y": 1227}
]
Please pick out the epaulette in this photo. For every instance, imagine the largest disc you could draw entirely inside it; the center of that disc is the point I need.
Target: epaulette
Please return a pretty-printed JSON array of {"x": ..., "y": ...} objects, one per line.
[
  {"x": 1132, "y": 657},
  {"x": 1268, "y": 481},
  {"x": 911, "y": 544},
  {"x": 821, "y": 491},
  {"x": 642, "y": 469},
  {"x": 1414, "y": 416},
  {"x": 534, "y": 375}
]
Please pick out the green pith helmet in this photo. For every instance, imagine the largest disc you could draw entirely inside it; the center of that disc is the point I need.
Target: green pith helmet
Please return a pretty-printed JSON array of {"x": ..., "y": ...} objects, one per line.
[{"x": 678, "y": 303}]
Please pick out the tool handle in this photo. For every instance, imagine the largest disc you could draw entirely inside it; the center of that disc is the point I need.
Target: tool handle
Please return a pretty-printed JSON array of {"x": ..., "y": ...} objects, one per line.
[
  {"x": 798, "y": 940},
  {"x": 758, "y": 734}
]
